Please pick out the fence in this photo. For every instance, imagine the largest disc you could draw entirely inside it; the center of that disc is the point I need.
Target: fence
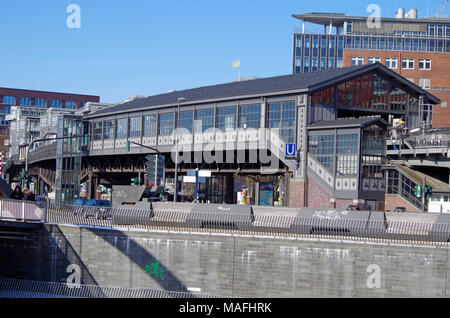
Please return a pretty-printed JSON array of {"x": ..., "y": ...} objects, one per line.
[
  {"x": 13, "y": 288},
  {"x": 26, "y": 211},
  {"x": 322, "y": 226},
  {"x": 317, "y": 227}
]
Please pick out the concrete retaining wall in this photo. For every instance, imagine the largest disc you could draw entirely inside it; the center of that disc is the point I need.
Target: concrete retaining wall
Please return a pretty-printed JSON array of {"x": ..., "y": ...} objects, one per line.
[{"x": 246, "y": 267}]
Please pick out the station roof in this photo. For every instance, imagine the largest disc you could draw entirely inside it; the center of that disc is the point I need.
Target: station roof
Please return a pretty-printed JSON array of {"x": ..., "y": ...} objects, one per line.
[
  {"x": 416, "y": 176},
  {"x": 337, "y": 19},
  {"x": 347, "y": 123},
  {"x": 278, "y": 85}
]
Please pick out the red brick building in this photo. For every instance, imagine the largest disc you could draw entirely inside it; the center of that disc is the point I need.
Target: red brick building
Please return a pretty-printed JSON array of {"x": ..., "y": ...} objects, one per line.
[{"x": 416, "y": 48}]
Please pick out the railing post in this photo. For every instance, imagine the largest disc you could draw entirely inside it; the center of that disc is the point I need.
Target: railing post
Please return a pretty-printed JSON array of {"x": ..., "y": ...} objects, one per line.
[{"x": 23, "y": 211}]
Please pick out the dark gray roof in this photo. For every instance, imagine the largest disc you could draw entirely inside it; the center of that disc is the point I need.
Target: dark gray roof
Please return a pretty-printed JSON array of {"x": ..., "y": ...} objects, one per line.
[
  {"x": 346, "y": 123},
  {"x": 297, "y": 82}
]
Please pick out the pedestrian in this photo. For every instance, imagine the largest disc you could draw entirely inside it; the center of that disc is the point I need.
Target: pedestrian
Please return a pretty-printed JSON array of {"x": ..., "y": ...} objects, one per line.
[
  {"x": 17, "y": 194},
  {"x": 28, "y": 195}
]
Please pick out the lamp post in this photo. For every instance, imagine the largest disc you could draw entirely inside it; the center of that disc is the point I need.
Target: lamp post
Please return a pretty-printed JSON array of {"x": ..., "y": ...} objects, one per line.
[{"x": 175, "y": 195}]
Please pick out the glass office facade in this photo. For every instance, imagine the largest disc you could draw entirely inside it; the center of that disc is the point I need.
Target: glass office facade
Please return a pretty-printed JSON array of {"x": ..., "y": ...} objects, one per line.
[{"x": 315, "y": 52}]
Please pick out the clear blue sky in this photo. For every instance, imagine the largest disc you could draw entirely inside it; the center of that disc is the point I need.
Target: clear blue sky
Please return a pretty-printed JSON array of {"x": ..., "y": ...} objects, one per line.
[{"x": 145, "y": 47}]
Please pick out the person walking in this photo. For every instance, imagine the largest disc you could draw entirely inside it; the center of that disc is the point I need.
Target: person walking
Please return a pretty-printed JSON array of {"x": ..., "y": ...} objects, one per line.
[
  {"x": 28, "y": 195},
  {"x": 17, "y": 194}
]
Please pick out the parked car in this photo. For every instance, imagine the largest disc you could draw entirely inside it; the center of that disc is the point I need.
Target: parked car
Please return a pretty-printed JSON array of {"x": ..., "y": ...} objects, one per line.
[
  {"x": 80, "y": 202},
  {"x": 398, "y": 209},
  {"x": 100, "y": 209}
]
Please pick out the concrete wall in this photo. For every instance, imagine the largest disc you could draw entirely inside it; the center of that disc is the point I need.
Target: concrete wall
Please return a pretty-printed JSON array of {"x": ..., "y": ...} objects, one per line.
[{"x": 247, "y": 267}]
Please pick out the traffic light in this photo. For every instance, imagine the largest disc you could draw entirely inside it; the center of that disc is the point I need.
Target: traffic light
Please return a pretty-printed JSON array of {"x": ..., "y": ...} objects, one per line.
[
  {"x": 428, "y": 192},
  {"x": 136, "y": 182},
  {"x": 128, "y": 146},
  {"x": 418, "y": 191}
]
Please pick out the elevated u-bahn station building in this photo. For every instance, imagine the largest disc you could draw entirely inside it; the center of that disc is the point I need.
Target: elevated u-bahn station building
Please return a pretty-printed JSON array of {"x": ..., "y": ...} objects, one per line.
[{"x": 304, "y": 140}]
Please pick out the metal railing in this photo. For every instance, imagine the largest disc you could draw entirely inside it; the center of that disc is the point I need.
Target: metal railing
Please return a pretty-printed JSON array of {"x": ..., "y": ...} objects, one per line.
[
  {"x": 128, "y": 219},
  {"x": 429, "y": 141},
  {"x": 181, "y": 221},
  {"x": 45, "y": 152},
  {"x": 14, "y": 288},
  {"x": 417, "y": 202},
  {"x": 24, "y": 211}
]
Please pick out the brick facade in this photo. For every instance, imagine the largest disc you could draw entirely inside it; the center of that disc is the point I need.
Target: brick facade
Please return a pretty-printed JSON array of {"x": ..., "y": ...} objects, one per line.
[
  {"x": 439, "y": 74},
  {"x": 296, "y": 193},
  {"x": 393, "y": 200}
]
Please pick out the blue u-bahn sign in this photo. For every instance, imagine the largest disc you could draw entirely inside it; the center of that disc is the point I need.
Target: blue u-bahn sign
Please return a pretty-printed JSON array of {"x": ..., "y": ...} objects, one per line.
[{"x": 291, "y": 150}]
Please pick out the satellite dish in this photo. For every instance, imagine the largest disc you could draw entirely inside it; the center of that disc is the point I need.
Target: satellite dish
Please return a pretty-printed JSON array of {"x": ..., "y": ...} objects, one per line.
[{"x": 444, "y": 104}]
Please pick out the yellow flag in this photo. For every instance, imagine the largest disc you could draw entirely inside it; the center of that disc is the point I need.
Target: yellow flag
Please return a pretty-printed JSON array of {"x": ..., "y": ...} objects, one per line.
[{"x": 236, "y": 64}]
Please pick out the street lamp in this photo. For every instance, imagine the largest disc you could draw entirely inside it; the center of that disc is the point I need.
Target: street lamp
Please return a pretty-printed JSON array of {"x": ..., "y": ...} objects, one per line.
[{"x": 175, "y": 196}]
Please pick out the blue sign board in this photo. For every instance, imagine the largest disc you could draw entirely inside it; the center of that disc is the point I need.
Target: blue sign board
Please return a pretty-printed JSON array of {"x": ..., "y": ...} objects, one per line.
[
  {"x": 291, "y": 150},
  {"x": 192, "y": 173}
]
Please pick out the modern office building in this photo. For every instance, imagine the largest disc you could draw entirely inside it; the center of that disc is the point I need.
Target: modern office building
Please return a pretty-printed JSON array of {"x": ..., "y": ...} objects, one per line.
[
  {"x": 10, "y": 97},
  {"x": 336, "y": 120},
  {"x": 417, "y": 49}
]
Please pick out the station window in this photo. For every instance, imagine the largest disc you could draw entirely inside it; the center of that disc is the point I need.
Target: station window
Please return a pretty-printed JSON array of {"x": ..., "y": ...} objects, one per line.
[
  {"x": 186, "y": 120},
  {"x": 166, "y": 124},
  {"x": 108, "y": 130},
  {"x": 282, "y": 116},
  {"x": 250, "y": 116},
  {"x": 204, "y": 120},
  {"x": 121, "y": 128},
  {"x": 150, "y": 124},
  {"x": 226, "y": 118},
  {"x": 135, "y": 127},
  {"x": 97, "y": 130}
]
